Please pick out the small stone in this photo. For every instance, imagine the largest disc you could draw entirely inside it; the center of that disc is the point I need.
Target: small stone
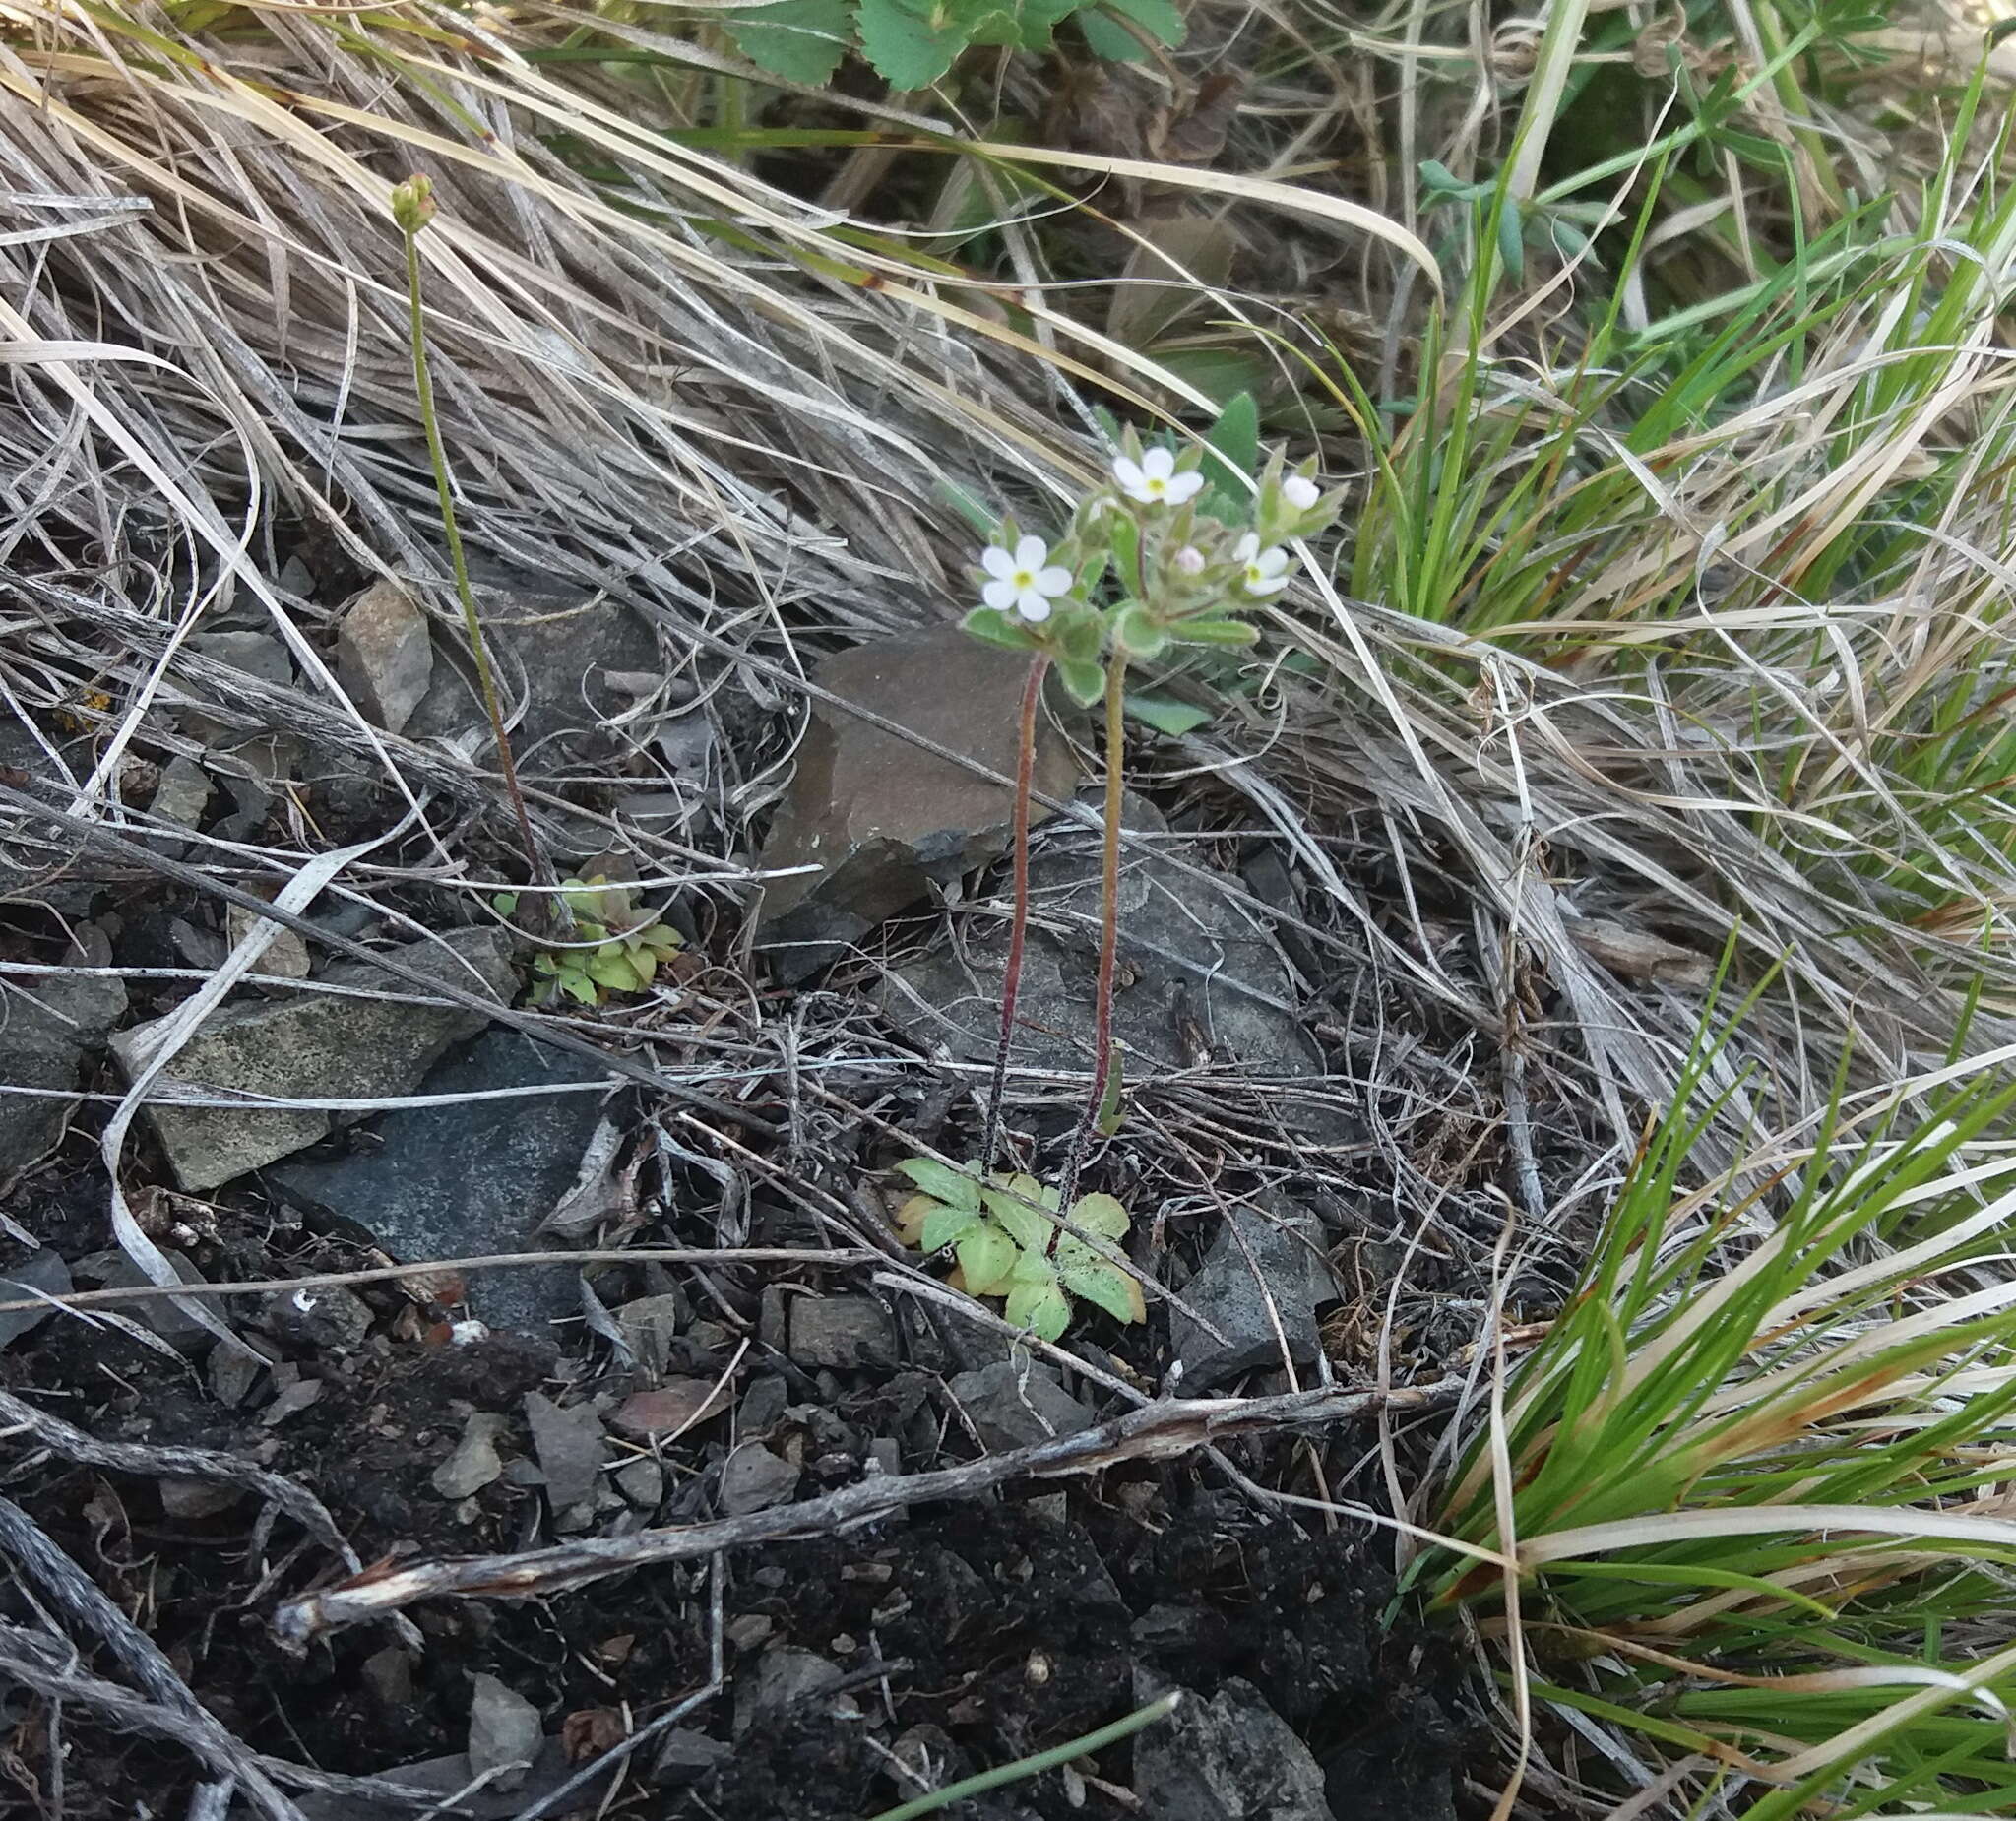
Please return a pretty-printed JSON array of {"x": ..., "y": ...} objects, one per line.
[
  {"x": 880, "y": 816},
  {"x": 647, "y": 1327},
  {"x": 328, "y": 1319},
  {"x": 256, "y": 653},
  {"x": 285, "y": 956},
  {"x": 570, "y": 1445},
  {"x": 389, "y": 1676},
  {"x": 182, "y": 792},
  {"x": 48, "y": 1029},
  {"x": 1232, "y": 1758},
  {"x": 679, "y": 1404},
  {"x": 190, "y": 1499},
  {"x": 746, "y": 1630},
  {"x": 1260, "y": 1284},
  {"x": 384, "y": 658},
  {"x": 292, "y": 1400},
  {"x": 232, "y": 1372},
  {"x": 752, "y": 1478},
  {"x": 782, "y": 1679},
  {"x": 43, "y": 1270},
  {"x": 686, "y": 1756},
  {"x": 1012, "y": 1405},
  {"x": 174, "y": 1323},
  {"x": 504, "y": 1730},
  {"x": 841, "y": 1333},
  {"x": 772, "y": 1323},
  {"x": 476, "y": 1461},
  {"x": 642, "y": 1482},
  {"x": 762, "y": 1407}
]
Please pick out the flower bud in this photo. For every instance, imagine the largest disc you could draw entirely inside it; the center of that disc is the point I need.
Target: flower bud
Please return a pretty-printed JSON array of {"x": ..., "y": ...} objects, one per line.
[
  {"x": 1189, "y": 560},
  {"x": 1300, "y": 492},
  {"x": 412, "y": 204}
]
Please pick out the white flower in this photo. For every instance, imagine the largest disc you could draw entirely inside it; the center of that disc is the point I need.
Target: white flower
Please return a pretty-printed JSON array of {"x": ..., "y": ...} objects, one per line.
[
  {"x": 1154, "y": 479},
  {"x": 1023, "y": 578},
  {"x": 1300, "y": 492},
  {"x": 1189, "y": 560},
  {"x": 1266, "y": 570}
]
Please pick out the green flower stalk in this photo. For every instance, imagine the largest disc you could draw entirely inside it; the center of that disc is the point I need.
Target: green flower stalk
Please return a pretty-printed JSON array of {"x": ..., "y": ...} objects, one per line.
[{"x": 413, "y": 208}]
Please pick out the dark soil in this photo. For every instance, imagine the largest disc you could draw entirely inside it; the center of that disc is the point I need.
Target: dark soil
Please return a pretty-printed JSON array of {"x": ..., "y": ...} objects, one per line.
[{"x": 963, "y": 1636}]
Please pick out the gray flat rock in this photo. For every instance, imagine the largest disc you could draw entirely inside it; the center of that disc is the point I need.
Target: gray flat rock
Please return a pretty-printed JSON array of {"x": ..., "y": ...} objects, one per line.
[
  {"x": 753, "y": 1480},
  {"x": 43, "y": 1271},
  {"x": 1232, "y": 1758},
  {"x": 471, "y": 1178},
  {"x": 841, "y": 1333},
  {"x": 314, "y": 1046},
  {"x": 47, "y": 1030},
  {"x": 384, "y": 656},
  {"x": 1259, "y": 1269},
  {"x": 1204, "y": 985},
  {"x": 504, "y": 1733},
  {"x": 570, "y": 1445},
  {"x": 881, "y": 817},
  {"x": 1012, "y": 1405}
]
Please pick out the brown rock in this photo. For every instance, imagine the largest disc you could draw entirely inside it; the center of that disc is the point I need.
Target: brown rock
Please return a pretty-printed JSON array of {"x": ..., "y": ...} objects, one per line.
[
  {"x": 677, "y": 1403},
  {"x": 383, "y": 658},
  {"x": 883, "y": 817}
]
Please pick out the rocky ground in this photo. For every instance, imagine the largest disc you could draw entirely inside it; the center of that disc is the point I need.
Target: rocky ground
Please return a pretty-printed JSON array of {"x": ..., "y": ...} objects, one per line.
[{"x": 1289, "y": 1100}]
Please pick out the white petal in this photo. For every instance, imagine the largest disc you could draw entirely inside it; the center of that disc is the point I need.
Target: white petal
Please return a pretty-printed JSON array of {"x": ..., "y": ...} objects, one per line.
[
  {"x": 1300, "y": 492},
  {"x": 1159, "y": 464},
  {"x": 1256, "y": 584},
  {"x": 999, "y": 595},
  {"x": 1030, "y": 552},
  {"x": 1033, "y": 608},
  {"x": 1272, "y": 562},
  {"x": 1248, "y": 548},
  {"x": 1145, "y": 490},
  {"x": 1055, "y": 580},
  {"x": 996, "y": 561},
  {"x": 1127, "y": 471},
  {"x": 1184, "y": 486}
]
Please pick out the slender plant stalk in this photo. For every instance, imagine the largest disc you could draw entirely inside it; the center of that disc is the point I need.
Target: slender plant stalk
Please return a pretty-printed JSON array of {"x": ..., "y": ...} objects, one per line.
[
  {"x": 1018, "y": 927},
  {"x": 411, "y": 220},
  {"x": 1159, "y": 1709},
  {"x": 1109, "y": 925}
]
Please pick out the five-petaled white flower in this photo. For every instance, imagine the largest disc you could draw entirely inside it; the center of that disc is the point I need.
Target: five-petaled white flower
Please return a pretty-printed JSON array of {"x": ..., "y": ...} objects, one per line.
[
  {"x": 1153, "y": 480},
  {"x": 1300, "y": 492},
  {"x": 1023, "y": 581},
  {"x": 1266, "y": 570}
]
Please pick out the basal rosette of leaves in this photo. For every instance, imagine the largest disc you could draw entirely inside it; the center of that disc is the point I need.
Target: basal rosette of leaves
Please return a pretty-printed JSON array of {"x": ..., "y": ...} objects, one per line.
[
  {"x": 912, "y": 43},
  {"x": 1007, "y": 1247},
  {"x": 615, "y": 949}
]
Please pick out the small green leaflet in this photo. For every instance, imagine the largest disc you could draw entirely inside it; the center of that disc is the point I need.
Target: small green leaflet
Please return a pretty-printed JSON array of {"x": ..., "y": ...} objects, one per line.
[
  {"x": 1111, "y": 39},
  {"x": 986, "y": 1257},
  {"x": 945, "y": 1227},
  {"x": 908, "y": 46},
  {"x": 1166, "y": 715},
  {"x": 802, "y": 40},
  {"x": 1234, "y": 441},
  {"x": 954, "y": 1187}
]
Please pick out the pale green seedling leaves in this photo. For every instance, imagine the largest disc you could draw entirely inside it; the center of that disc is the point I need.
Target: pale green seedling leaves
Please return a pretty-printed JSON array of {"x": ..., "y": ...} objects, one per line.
[
  {"x": 1011, "y": 1205},
  {"x": 1036, "y": 1300},
  {"x": 944, "y": 1227},
  {"x": 986, "y": 1257},
  {"x": 956, "y": 1188}
]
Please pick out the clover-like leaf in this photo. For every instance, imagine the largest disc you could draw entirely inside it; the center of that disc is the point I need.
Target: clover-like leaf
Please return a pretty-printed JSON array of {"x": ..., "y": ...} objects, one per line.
[
  {"x": 1100, "y": 1215},
  {"x": 579, "y": 987},
  {"x": 988, "y": 1257},
  {"x": 956, "y": 1188},
  {"x": 1104, "y": 1284},
  {"x": 1036, "y": 1300},
  {"x": 944, "y": 1227},
  {"x": 610, "y": 967},
  {"x": 1011, "y": 1205}
]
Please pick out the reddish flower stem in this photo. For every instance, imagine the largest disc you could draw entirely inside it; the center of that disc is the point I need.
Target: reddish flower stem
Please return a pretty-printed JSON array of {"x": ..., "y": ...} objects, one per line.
[
  {"x": 1018, "y": 927},
  {"x": 1109, "y": 925}
]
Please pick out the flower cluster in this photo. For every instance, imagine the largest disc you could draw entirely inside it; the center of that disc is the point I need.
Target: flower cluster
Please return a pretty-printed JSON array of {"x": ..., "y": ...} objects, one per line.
[{"x": 1151, "y": 560}]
